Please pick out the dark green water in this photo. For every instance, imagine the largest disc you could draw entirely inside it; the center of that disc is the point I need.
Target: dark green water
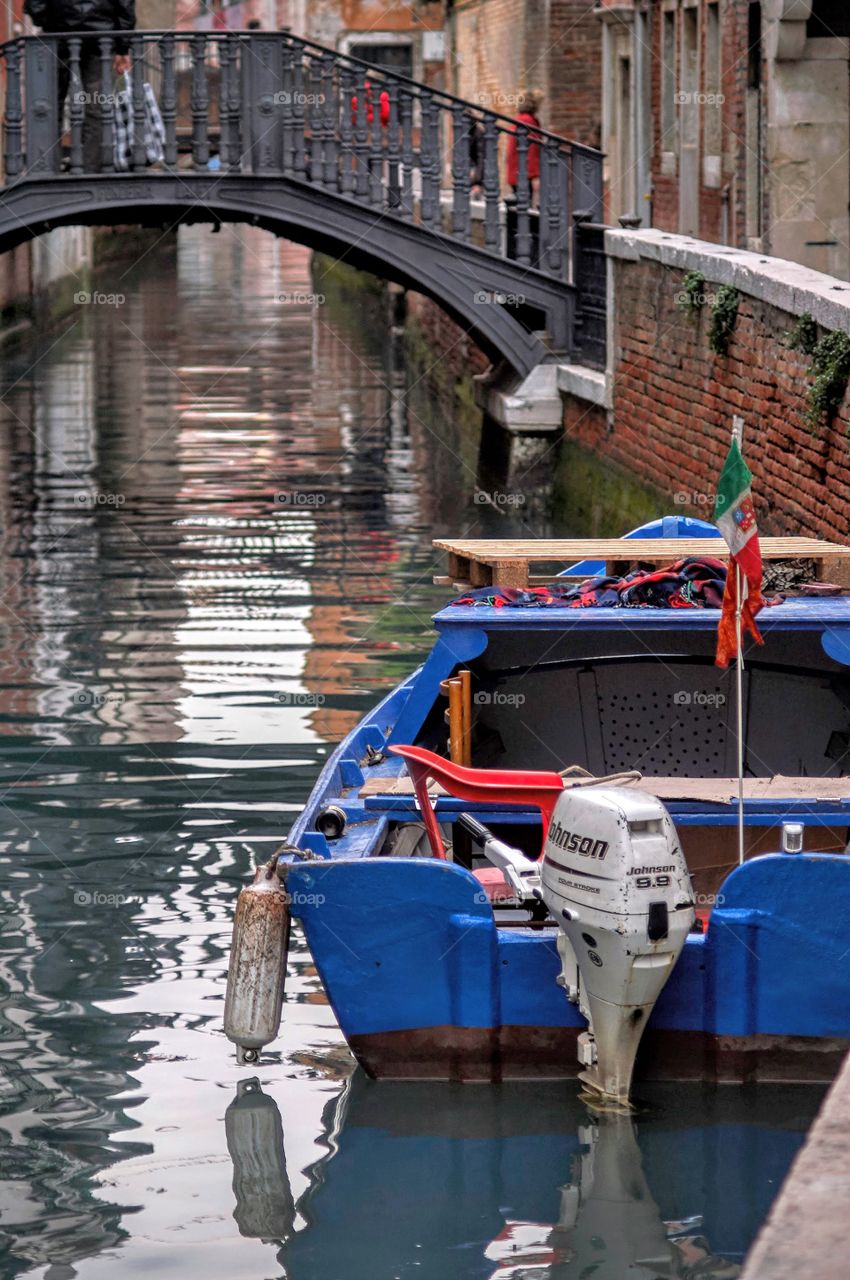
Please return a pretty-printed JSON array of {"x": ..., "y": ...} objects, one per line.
[{"x": 216, "y": 513}]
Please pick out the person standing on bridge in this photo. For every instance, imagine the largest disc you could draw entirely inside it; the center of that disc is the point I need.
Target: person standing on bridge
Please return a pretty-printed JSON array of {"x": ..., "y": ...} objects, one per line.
[
  {"x": 79, "y": 17},
  {"x": 528, "y": 105}
]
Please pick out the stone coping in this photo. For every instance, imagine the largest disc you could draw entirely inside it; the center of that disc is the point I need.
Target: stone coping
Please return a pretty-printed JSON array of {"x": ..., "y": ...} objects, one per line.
[
  {"x": 782, "y": 284},
  {"x": 806, "y": 1230}
]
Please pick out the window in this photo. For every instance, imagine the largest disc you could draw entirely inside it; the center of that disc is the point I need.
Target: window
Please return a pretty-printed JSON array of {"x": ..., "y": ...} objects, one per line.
[
  {"x": 669, "y": 141},
  {"x": 712, "y": 99}
]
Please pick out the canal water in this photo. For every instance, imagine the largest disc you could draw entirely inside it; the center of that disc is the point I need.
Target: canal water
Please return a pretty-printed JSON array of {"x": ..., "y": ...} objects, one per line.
[{"x": 218, "y": 488}]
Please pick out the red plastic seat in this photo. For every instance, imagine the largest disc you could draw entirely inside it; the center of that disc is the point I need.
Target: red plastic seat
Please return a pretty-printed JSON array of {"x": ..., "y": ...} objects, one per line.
[{"x": 499, "y": 786}]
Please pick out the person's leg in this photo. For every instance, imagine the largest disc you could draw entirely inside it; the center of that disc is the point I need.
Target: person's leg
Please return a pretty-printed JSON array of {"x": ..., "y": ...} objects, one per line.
[
  {"x": 63, "y": 83},
  {"x": 90, "y": 75}
]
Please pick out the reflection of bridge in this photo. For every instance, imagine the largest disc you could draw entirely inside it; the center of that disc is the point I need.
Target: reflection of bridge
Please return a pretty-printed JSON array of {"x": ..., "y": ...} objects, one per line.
[{"x": 399, "y": 177}]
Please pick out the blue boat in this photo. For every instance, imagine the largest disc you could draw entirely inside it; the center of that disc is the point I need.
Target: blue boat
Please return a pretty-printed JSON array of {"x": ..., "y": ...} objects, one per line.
[{"x": 432, "y": 976}]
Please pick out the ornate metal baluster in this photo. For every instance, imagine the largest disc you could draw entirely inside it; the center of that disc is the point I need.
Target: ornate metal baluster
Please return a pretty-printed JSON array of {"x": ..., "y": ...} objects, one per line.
[
  {"x": 491, "y": 184},
  {"x": 138, "y": 105},
  {"x": 376, "y": 149},
  {"x": 107, "y": 138},
  {"x": 462, "y": 123},
  {"x": 238, "y": 122},
  {"x": 225, "y": 122},
  {"x": 346, "y": 129},
  {"x": 361, "y": 143},
  {"x": 314, "y": 113},
  {"x": 523, "y": 199},
  {"x": 393, "y": 148},
  {"x": 430, "y": 162},
  {"x": 406, "y": 112},
  {"x": 298, "y": 125},
  {"x": 553, "y": 209},
  {"x": 169, "y": 100},
  {"x": 288, "y": 142},
  {"x": 330, "y": 173},
  {"x": 77, "y": 105},
  {"x": 200, "y": 104},
  {"x": 12, "y": 127}
]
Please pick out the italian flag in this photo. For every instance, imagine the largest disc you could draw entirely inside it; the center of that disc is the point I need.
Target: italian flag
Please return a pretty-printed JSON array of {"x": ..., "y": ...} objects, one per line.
[{"x": 735, "y": 517}]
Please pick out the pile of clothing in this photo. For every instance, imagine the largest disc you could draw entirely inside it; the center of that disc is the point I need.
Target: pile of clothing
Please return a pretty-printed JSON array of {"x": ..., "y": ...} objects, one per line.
[{"x": 696, "y": 582}]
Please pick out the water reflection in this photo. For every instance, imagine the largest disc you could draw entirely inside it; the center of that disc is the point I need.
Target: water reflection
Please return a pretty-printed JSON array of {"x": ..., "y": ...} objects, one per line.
[
  {"x": 516, "y": 1182},
  {"x": 186, "y": 629}
]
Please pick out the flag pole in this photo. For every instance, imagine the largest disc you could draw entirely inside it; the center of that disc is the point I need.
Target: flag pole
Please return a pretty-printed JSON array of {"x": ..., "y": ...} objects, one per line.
[{"x": 737, "y": 435}]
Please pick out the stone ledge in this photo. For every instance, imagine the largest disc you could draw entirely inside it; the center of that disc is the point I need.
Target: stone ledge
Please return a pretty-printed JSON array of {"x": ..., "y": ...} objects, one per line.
[
  {"x": 775, "y": 281},
  {"x": 585, "y": 384},
  {"x": 806, "y": 1230},
  {"x": 527, "y": 407}
]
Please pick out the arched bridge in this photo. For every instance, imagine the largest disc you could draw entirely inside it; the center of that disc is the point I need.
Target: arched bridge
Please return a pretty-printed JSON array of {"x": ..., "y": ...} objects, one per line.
[{"x": 395, "y": 176}]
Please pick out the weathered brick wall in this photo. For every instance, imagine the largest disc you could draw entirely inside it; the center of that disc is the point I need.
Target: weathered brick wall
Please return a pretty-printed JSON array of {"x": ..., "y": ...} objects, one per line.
[
  {"x": 502, "y": 46},
  {"x": 673, "y": 399}
]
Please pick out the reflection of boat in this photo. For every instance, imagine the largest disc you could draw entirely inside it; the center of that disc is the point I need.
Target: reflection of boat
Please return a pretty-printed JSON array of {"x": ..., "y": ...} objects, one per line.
[
  {"x": 519, "y": 1182},
  {"x": 429, "y": 980}
]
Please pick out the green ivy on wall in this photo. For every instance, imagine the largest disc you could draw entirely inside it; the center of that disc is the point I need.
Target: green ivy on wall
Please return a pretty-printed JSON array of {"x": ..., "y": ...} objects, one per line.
[{"x": 724, "y": 313}]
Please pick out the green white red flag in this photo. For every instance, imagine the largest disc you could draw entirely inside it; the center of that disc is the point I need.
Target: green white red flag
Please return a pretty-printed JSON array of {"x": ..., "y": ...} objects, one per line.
[{"x": 735, "y": 517}]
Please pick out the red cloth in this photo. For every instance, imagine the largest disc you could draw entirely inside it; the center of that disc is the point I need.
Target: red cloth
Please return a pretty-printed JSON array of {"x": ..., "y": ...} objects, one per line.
[
  {"x": 532, "y": 155},
  {"x": 383, "y": 107}
]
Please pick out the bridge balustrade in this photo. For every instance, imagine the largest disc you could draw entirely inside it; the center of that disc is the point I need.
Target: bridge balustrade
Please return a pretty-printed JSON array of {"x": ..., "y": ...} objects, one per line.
[{"x": 270, "y": 103}]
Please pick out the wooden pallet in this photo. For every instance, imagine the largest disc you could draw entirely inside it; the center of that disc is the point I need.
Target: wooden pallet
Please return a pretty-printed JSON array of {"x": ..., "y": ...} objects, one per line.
[{"x": 507, "y": 562}]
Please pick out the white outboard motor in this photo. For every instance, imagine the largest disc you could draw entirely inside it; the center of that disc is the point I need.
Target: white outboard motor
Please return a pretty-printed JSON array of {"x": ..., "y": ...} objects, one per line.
[{"x": 614, "y": 877}]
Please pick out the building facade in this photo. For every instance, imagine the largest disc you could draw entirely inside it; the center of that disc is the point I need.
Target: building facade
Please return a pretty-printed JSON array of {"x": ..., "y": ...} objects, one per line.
[{"x": 730, "y": 121}]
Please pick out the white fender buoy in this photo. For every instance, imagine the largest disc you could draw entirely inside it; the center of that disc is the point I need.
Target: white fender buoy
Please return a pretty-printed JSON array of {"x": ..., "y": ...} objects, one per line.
[{"x": 257, "y": 973}]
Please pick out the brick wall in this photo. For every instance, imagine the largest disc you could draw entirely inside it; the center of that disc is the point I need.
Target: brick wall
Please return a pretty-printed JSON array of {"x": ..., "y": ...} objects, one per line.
[
  {"x": 502, "y": 46},
  {"x": 673, "y": 398}
]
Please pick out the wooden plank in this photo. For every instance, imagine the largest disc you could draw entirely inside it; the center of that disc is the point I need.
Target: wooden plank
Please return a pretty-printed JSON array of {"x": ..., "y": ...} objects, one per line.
[
  {"x": 507, "y": 561},
  {"x": 706, "y": 790}
]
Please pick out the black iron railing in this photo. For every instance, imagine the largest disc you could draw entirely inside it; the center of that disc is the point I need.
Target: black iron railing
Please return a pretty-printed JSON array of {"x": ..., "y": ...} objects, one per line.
[{"x": 270, "y": 103}]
